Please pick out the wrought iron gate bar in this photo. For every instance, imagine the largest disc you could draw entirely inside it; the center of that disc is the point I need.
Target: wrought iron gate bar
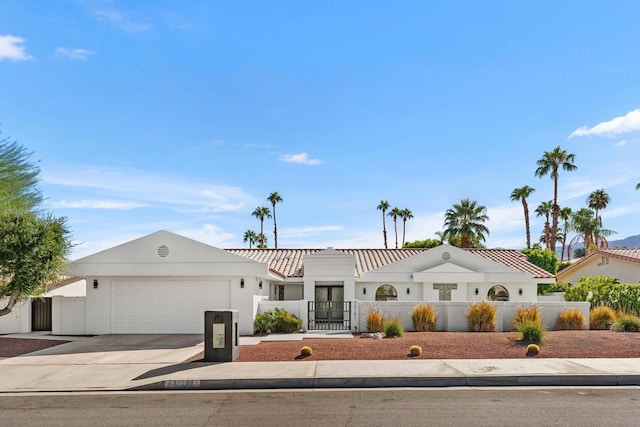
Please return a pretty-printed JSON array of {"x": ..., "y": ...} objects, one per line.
[{"x": 329, "y": 315}]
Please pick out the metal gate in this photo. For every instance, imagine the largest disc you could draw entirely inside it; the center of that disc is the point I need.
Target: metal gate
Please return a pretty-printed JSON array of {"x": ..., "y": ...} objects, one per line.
[
  {"x": 329, "y": 315},
  {"x": 41, "y": 314}
]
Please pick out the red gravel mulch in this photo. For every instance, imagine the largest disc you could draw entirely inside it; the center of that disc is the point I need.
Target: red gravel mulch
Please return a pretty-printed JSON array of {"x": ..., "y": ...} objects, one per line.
[
  {"x": 12, "y": 347},
  {"x": 449, "y": 345}
]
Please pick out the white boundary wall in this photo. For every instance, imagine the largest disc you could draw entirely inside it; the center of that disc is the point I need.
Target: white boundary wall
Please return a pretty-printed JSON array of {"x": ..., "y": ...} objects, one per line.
[{"x": 451, "y": 316}]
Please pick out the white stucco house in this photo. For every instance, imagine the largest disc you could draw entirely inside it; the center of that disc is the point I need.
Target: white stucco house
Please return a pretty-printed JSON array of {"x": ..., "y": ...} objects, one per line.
[
  {"x": 163, "y": 283},
  {"x": 622, "y": 264}
]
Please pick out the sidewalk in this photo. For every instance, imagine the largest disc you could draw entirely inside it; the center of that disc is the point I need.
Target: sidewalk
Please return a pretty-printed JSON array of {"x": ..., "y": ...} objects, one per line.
[{"x": 114, "y": 363}]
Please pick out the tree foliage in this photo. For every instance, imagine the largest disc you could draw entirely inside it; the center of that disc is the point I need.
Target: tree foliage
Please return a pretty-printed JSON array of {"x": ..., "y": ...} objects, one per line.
[
  {"x": 32, "y": 254},
  {"x": 606, "y": 291},
  {"x": 18, "y": 178},
  {"x": 464, "y": 223},
  {"x": 426, "y": 243},
  {"x": 543, "y": 258}
]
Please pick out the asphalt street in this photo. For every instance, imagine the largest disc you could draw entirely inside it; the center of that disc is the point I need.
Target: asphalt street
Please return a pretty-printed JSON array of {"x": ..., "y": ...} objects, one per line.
[{"x": 504, "y": 406}]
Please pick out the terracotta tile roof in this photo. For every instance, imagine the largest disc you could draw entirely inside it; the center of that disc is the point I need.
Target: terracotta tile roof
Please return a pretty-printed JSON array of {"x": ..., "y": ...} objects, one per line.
[
  {"x": 289, "y": 262},
  {"x": 631, "y": 255}
]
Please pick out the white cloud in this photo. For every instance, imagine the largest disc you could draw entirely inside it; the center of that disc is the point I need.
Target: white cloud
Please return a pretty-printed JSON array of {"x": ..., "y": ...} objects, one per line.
[
  {"x": 77, "y": 54},
  {"x": 96, "y": 204},
  {"x": 121, "y": 21},
  {"x": 630, "y": 122},
  {"x": 150, "y": 189},
  {"x": 211, "y": 235},
  {"x": 11, "y": 48},
  {"x": 621, "y": 143},
  {"x": 301, "y": 159}
]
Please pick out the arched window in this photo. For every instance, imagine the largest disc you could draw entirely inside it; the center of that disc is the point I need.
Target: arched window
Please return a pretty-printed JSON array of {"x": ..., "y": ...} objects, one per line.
[
  {"x": 498, "y": 293},
  {"x": 386, "y": 293}
]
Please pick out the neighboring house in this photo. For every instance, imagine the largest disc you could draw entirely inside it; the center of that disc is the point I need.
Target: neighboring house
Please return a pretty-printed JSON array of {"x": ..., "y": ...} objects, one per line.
[
  {"x": 164, "y": 282},
  {"x": 622, "y": 264},
  {"x": 35, "y": 314}
]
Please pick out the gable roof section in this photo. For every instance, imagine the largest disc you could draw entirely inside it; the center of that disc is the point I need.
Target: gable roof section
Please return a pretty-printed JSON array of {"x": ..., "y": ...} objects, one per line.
[
  {"x": 289, "y": 262},
  {"x": 630, "y": 255}
]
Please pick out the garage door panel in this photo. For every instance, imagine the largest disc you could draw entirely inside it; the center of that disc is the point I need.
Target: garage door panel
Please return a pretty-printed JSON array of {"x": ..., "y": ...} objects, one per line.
[{"x": 165, "y": 306}]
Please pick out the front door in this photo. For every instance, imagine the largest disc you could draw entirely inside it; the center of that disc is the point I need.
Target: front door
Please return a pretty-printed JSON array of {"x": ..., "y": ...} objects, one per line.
[{"x": 329, "y": 302}]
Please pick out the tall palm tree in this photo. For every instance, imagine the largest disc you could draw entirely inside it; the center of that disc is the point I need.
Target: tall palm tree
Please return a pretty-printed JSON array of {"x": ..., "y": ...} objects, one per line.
[
  {"x": 521, "y": 194},
  {"x": 262, "y": 241},
  {"x": 251, "y": 237},
  {"x": 550, "y": 164},
  {"x": 395, "y": 213},
  {"x": 383, "y": 206},
  {"x": 465, "y": 221},
  {"x": 405, "y": 214},
  {"x": 565, "y": 216},
  {"x": 262, "y": 212},
  {"x": 597, "y": 201},
  {"x": 275, "y": 198},
  {"x": 593, "y": 236},
  {"x": 545, "y": 209}
]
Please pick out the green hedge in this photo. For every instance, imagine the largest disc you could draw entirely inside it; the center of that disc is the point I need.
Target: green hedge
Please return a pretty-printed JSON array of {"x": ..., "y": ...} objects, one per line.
[{"x": 607, "y": 291}]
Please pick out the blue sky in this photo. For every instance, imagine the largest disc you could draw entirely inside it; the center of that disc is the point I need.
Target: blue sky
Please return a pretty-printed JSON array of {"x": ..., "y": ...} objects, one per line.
[{"x": 185, "y": 116}]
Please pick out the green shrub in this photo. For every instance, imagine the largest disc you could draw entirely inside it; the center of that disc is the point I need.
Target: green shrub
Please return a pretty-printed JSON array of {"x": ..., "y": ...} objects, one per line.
[
  {"x": 602, "y": 290},
  {"x": 628, "y": 324},
  {"x": 547, "y": 288},
  {"x": 531, "y": 331},
  {"x": 393, "y": 328},
  {"x": 306, "y": 351},
  {"x": 415, "y": 351},
  {"x": 375, "y": 320},
  {"x": 570, "y": 320},
  {"x": 424, "y": 318},
  {"x": 543, "y": 258},
  {"x": 277, "y": 320},
  {"x": 481, "y": 317},
  {"x": 533, "y": 350},
  {"x": 527, "y": 314},
  {"x": 602, "y": 317}
]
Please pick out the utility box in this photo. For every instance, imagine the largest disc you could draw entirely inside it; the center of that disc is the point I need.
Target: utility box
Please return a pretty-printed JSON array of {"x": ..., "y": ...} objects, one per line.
[{"x": 221, "y": 340}]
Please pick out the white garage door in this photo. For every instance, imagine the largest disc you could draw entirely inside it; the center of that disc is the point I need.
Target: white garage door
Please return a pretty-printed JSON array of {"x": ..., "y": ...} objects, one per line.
[{"x": 155, "y": 307}]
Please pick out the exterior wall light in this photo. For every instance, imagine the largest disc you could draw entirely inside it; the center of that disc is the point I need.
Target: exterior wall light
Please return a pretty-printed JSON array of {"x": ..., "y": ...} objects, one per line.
[
  {"x": 241, "y": 283},
  {"x": 520, "y": 291},
  {"x": 477, "y": 291},
  {"x": 364, "y": 291},
  {"x": 408, "y": 291},
  {"x": 260, "y": 284},
  {"x": 95, "y": 283}
]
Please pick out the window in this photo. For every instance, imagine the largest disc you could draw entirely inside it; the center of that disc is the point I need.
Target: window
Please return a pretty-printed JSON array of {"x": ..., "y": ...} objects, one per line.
[
  {"x": 498, "y": 293},
  {"x": 386, "y": 293}
]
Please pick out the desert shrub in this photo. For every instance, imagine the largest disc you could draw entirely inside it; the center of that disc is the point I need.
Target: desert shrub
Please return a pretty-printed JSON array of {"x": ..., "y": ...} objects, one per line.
[
  {"x": 375, "y": 320},
  {"x": 547, "y": 288},
  {"x": 531, "y": 331},
  {"x": 393, "y": 328},
  {"x": 602, "y": 290},
  {"x": 415, "y": 350},
  {"x": 277, "y": 320},
  {"x": 527, "y": 314},
  {"x": 306, "y": 351},
  {"x": 570, "y": 320},
  {"x": 628, "y": 324},
  {"x": 533, "y": 350},
  {"x": 602, "y": 317},
  {"x": 481, "y": 317},
  {"x": 424, "y": 318}
]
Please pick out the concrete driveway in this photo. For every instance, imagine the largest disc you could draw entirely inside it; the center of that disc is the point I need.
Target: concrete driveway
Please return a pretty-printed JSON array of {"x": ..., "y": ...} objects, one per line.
[{"x": 105, "y": 362}]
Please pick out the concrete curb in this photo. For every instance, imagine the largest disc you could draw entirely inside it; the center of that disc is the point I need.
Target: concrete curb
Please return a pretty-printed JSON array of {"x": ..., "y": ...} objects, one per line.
[{"x": 382, "y": 382}]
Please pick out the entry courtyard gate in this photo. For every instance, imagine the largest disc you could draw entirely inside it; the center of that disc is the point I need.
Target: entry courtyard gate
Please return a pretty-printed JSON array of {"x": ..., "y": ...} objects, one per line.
[{"x": 329, "y": 315}]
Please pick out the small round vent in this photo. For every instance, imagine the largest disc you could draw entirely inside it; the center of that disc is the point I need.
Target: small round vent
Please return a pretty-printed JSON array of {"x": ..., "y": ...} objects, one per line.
[
  {"x": 446, "y": 256},
  {"x": 163, "y": 251}
]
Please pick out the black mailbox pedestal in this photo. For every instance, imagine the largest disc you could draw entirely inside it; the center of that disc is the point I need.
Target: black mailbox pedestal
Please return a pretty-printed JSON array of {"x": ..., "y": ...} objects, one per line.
[{"x": 221, "y": 339}]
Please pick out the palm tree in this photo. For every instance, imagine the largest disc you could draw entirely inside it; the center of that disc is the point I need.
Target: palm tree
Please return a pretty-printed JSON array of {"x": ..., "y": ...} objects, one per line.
[
  {"x": 550, "y": 164},
  {"x": 262, "y": 212},
  {"x": 638, "y": 186},
  {"x": 383, "y": 206},
  {"x": 589, "y": 230},
  {"x": 274, "y": 198},
  {"x": 465, "y": 221},
  {"x": 251, "y": 237},
  {"x": 262, "y": 241},
  {"x": 565, "y": 215},
  {"x": 405, "y": 214},
  {"x": 544, "y": 209},
  {"x": 597, "y": 201},
  {"x": 521, "y": 194},
  {"x": 395, "y": 213}
]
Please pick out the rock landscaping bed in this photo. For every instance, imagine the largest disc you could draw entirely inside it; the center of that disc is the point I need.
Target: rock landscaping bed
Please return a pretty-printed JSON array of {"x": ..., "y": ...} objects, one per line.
[
  {"x": 12, "y": 347},
  {"x": 449, "y": 345}
]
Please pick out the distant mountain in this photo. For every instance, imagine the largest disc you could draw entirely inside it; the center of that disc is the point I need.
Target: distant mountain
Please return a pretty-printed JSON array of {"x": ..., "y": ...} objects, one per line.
[{"x": 628, "y": 242}]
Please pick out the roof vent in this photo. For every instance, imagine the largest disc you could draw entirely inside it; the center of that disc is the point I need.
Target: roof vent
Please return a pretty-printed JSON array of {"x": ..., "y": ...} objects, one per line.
[
  {"x": 446, "y": 256},
  {"x": 163, "y": 251}
]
